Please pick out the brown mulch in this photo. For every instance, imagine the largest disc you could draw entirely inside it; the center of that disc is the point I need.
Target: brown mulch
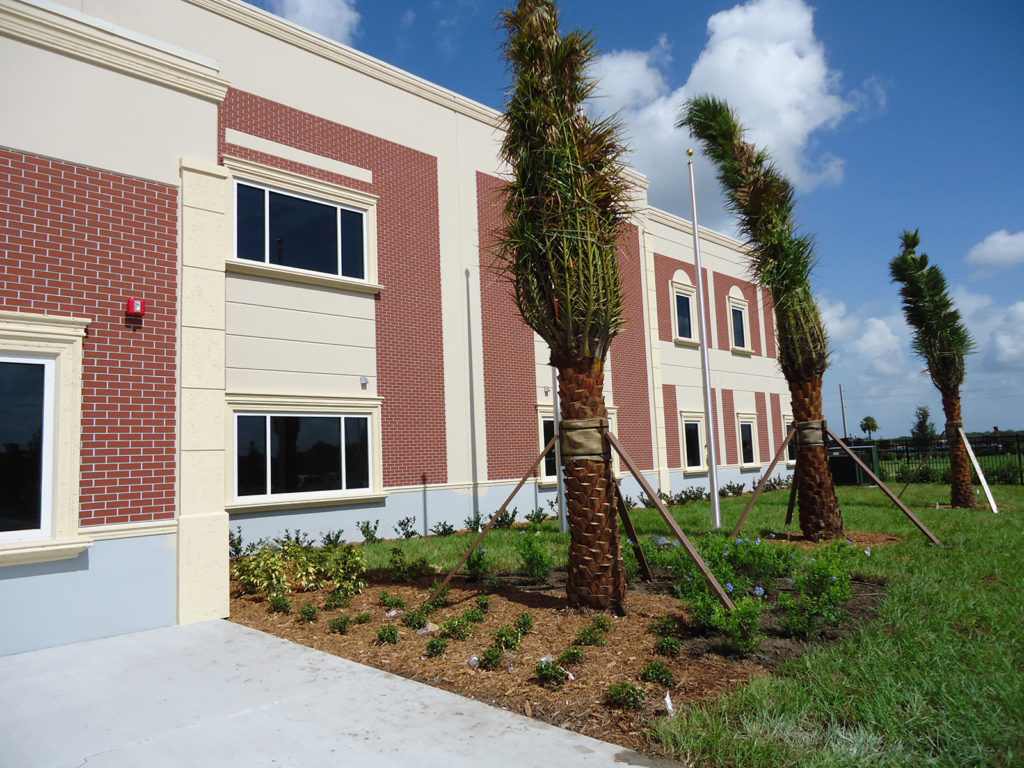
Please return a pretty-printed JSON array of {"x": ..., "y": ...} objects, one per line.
[{"x": 701, "y": 671}]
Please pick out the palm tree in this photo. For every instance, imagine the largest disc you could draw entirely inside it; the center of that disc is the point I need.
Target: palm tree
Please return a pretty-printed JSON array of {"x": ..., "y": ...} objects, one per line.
[
  {"x": 869, "y": 425},
  {"x": 564, "y": 209},
  {"x": 941, "y": 340},
  {"x": 780, "y": 260}
]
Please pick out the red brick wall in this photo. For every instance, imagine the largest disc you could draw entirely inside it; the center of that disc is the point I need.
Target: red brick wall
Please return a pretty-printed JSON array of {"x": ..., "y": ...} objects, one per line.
[
  {"x": 722, "y": 285},
  {"x": 769, "y": 323},
  {"x": 664, "y": 268},
  {"x": 509, "y": 376},
  {"x": 732, "y": 455},
  {"x": 778, "y": 428},
  {"x": 672, "y": 447},
  {"x": 629, "y": 357},
  {"x": 410, "y": 376},
  {"x": 764, "y": 442},
  {"x": 75, "y": 241}
]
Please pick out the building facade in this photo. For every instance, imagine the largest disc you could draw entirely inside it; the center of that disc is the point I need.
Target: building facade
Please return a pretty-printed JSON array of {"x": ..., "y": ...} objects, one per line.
[{"x": 323, "y": 338}]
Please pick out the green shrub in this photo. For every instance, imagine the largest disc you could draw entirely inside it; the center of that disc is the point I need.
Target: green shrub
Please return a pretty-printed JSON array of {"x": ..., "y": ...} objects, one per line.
[
  {"x": 624, "y": 696},
  {"x": 524, "y": 623},
  {"x": 657, "y": 672},
  {"x": 400, "y": 570},
  {"x": 604, "y": 623},
  {"x": 456, "y": 628},
  {"x": 473, "y": 522},
  {"x": 664, "y": 626},
  {"x": 279, "y": 604},
  {"x": 492, "y": 658},
  {"x": 507, "y": 637},
  {"x": 537, "y": 516},
  {"x": 415, "y": 619},
  {"x": 436, "y": 646},
  {"x": 406, "y": 528},
  {"x": 571, "y": 656},
  {"x": 308, "y": 612},
  {"x": 821, "y": 587},
  {"x": 483, "y": 602},
  {"x": 478, "y": 565},
  {"x": 442, "y": 529},
  {"x": 388, "y": 600},
  {"x": 549, "y": 673},
  {"x": 363, "y": 618},
  {"x": 669, "y": 647},
  {"x": 537, "y": 563},
  {"x": 741, "y": 626},
  {"x": 704, "y": 609},
  {"x": 387, "y": 634},
  {"x": 442, "y": 597},
  {"x": 507, "y": 518},
  {"x": 337, "y": 598},
  {"x": 339, "y": 624},
  {"x": 592, "y": 635},
  {"x": 473, "y": 615},
  {"x": 368, "y": 531},
  {"x": 261, "y": 573},
  {"x": 273, "y": 569},
  {"x": 330, "y": 539}
]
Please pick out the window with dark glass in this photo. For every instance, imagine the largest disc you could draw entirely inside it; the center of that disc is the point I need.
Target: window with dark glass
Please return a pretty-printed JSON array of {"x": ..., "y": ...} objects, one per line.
[
  {"x": 747, "y": 442},
  {"x": 301, "y": 454},
  {"x": 739, "y": 333},
  {"x": 22, "y": 422},
  {"x": 692, "y": 446},
  {"x": 550, "y": 459},
  {"x": 279, "y": 228},
  {"x": 791, "y": 448},
  {"x": 684, "y": 323}
]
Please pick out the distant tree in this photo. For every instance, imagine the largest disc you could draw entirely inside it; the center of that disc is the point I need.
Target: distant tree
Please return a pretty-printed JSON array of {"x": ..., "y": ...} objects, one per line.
[
  {"x": 922, "y": 433},
  {"x": 869, "y": 425},
  {"x": 940, "y": 339}
]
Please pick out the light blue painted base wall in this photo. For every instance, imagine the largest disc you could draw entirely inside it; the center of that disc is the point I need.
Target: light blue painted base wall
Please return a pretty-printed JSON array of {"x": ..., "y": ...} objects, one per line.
[{"x": 116, "y": 586}]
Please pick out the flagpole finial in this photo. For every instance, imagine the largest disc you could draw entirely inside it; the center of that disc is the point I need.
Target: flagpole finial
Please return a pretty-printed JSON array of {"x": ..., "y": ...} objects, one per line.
[{"x": 689, "y": 153}]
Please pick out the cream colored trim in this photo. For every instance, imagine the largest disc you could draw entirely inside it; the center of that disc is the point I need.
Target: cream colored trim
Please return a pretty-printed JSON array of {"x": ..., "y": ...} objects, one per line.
[
  {"x": 206, "y": 200},
  {"x": 236, "y": 402},
  {"x": 60, "y": 339},
  {"x": 742, "y": 305},
  {"x": 666, "y": 219},
  {"x": 268, "y": 147},
  {"x": 675, "y": 289},
  {"x": 325, "y": 190},
  {"x": 307, "y": 503},
  {"x": 130, "y": 530},
  {"x": 685, "y": 416},
  {"x": 287, "y": 274},
  {"x": 57, "y": 28},
  {"x": 787, "y": 419},
  {"x": 748, "y": 418},
  {"x": 26, "y": 552},
  {"x": 292, "y": 34}
]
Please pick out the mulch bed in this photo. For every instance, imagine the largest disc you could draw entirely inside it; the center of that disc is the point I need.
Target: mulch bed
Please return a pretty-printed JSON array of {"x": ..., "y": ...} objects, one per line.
[{"x": 700, "y": 671}]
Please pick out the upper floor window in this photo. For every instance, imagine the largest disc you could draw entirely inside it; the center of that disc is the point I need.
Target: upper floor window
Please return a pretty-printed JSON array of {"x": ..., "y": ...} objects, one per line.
[
  {"x": 290, "y": 230},
  {"x": 684, "y": 313},
  {"x": 739, "y": 326}
]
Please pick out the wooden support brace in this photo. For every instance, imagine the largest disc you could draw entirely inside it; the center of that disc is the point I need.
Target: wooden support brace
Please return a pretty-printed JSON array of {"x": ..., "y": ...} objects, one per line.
[
  {"x": 885, "y": 488},
  {"x": 673, "y": 525},
  {"x": 490, "y": 523},
  {"x": 764, "y": 480},
  {"x": 977, "y": 468}
]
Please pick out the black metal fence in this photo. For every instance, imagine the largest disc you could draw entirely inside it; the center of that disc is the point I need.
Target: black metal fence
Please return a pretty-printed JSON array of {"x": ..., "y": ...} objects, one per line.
[{"x": 1001, "y": 458}]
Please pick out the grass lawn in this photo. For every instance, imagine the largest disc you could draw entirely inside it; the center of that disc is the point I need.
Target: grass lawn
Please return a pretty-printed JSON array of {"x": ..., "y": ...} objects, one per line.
[{"x": 936, "y": 680}]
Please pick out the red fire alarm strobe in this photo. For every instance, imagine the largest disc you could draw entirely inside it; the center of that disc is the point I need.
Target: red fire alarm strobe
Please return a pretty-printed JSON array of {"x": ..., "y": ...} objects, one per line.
[{"x": 135, "y": 307}]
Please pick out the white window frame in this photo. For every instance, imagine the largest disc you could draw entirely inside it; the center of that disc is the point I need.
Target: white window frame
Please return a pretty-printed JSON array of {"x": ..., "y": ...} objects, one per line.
[
  {"x": 743, "y": 307},
  {"x": 787, "y": 419},
  {"x": 317, "y": 191},
  {"x": 277, "y": 405},
  {"x": 57, "y": 343},
  {"x": 544, "y": 478},
  {"x": 690, "y": 417},
  {"x": 690, "y": 294},
  {"x": 751, "y": 419}
]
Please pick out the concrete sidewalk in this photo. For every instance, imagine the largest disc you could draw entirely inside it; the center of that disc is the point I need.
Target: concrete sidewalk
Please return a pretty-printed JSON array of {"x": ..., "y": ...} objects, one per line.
[{"x": 219, "y": 694}]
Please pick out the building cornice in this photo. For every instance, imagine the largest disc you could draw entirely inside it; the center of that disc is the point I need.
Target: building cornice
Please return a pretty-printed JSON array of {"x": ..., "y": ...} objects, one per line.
[
  {"x": 666, "y": 219},
  {"x": 68, "y": 32}
]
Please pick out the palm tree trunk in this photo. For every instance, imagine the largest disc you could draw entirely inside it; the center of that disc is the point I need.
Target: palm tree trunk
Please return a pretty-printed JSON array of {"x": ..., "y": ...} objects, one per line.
[
  {"x": 820, "y": 516},
  {"x": 961, "y": 492},
  {"x": 596, "y": 577}
]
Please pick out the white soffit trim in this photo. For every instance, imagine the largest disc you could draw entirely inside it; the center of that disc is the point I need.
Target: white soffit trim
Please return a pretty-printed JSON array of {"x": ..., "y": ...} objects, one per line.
[
  {"x": 666, "y": 219},
  {"x": 266, "y": 146},
  {"x": 61, "y": 29}
]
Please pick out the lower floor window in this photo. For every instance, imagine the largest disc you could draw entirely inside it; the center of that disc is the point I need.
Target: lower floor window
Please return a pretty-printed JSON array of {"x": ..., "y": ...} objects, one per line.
[
  {"x": 283, "y": 454},
  {"x": 550, "y": 464},
  {"x": 747, "y": 442},
  {"x": 26, "y": 393}
]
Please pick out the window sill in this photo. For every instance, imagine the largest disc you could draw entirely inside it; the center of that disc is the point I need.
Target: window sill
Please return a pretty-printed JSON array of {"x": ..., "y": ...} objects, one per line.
[
  {"x": 742, "y": 351},
  {"x": 687, "y": 343},
  {"x": 548, "y": 482},
  {"x": 291, "y": 504},
  {"x": 695, "y": 471},
  {"x": 750, "y": 467},
  {"x": 42, "y": 550},
  {"x": 258, "y": 269}
]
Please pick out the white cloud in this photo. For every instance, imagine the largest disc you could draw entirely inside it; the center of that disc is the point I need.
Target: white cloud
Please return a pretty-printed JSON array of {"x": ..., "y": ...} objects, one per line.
[
  {"x": 762, "y": 57},
  {"x": 999, "y": 250},
  {"x": 336, "y": 19},
  {"x": 408, "y": 18},
  {"x": 1007, "y": 340}
]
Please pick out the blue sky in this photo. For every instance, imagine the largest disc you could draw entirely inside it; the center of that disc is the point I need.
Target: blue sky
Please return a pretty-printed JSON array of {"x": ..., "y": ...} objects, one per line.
[{"x": 887, "y": 116}]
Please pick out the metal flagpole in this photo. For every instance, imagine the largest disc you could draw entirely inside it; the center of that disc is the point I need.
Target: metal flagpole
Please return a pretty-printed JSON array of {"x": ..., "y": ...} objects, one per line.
[{"x": 705, "y": 365}]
